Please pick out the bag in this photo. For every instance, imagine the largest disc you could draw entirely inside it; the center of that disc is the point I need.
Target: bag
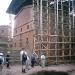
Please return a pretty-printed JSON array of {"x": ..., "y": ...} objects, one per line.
[{"x": 24, "y": 57}]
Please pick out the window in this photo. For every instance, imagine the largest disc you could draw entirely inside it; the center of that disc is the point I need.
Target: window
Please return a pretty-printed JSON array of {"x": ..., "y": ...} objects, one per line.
[
  {"x": 27, "y": 40},
  {"x": 16, "y": 31},
  {"x": 21, "y": 29},
  {"x": 2, "y": 31},
  {"x": 27, "y": 26},
  {"x": 15, "y": 44}
]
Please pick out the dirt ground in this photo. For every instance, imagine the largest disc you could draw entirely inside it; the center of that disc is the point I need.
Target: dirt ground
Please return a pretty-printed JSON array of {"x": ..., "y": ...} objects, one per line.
[{"x": 17, "y": 69}]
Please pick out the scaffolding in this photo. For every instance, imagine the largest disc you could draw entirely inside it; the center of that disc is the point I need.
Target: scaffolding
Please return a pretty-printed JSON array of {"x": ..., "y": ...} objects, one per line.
[{"x": 55, "y": 30}]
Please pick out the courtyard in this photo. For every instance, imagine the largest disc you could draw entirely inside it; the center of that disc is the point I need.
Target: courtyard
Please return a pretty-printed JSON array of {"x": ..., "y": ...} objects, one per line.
[{"x": 16, "y": 69}]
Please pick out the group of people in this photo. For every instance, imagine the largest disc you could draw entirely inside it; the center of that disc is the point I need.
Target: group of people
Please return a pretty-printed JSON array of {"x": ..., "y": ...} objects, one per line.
[
  {"x": 4, "y": 60},
  {"x": 26, "y": 61}
]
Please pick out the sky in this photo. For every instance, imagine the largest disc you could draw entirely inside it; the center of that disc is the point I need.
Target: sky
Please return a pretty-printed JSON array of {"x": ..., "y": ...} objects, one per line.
[{"x": 4, "y": 17}]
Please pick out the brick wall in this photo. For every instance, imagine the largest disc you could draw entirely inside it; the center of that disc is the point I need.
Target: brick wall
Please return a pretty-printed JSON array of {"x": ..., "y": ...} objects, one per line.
[{"x": 24, "y": 29}]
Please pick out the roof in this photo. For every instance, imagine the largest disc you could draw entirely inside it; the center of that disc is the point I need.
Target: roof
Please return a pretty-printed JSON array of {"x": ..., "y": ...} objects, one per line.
[{"x": 16, "y": 5}]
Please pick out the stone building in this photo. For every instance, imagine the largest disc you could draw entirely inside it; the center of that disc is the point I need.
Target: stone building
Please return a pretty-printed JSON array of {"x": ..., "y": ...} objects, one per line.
[
  {"x": 5, "y": 36},
  {"x": 23, "y": 27}
]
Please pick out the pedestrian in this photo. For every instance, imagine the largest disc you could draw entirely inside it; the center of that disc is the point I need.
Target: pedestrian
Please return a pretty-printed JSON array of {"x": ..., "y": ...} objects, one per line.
[
  {"x": 24, "y": 58},
  {"x": 1, "y": 62},
  {"x": 43, "y": 60},
  {"x": 36, "y": 57},
  {"x": 33, "y": 60},
  {"x": 8, "y": 60}
]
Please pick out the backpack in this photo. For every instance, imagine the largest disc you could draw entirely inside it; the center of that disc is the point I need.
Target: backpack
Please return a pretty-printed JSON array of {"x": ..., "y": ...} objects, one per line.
[{"x": 24, "y": 57}]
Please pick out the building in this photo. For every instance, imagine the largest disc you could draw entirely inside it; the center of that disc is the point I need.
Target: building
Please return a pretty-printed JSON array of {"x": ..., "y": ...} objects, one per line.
[
  {"x": 51, "y": 31},
  {"x": 23, "y": 28},
  {"x": 5, "y": 36}
]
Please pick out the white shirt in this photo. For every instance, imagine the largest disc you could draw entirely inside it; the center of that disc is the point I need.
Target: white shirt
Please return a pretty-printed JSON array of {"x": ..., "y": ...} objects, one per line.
[{"x": 43, "y": 57}]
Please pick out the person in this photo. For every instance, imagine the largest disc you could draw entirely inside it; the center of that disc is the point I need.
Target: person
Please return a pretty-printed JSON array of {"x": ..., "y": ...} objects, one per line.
[
  {"x": 24, "y": 58},
  {"x": 1, "y": 61},
  {"x": 36, "y": 57},
  {"x": 8, "y": 60},
  {"x": 33, "y": 60},
  {"x": 43, "y": 60}
]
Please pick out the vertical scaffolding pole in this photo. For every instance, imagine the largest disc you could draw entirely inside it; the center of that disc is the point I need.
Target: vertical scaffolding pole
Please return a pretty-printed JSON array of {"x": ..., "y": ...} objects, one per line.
[
  {"x": 62, "y": 28},
  {"x": 73, "y": 14},
  {"x": 56, "y": 27},
  {"x": 47, "y": 12},
  {"x": 69, "y": 30},
  {"x": 73, "y": 22},
  {"x": 41, "y": 31}
]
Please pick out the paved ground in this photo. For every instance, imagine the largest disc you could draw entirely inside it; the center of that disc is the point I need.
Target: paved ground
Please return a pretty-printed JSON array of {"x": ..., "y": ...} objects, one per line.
[{"x": 16, "y": 69}]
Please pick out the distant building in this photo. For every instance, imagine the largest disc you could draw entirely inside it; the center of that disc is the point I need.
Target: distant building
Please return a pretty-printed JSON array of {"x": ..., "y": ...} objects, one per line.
[{"x": 5, "y": 36}]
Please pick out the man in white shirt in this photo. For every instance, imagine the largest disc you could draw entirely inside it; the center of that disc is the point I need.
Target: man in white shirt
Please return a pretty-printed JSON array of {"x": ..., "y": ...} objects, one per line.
[{"x": 43, "y": 60}]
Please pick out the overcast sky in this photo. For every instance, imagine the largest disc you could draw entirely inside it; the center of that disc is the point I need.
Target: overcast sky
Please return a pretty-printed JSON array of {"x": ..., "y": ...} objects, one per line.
[{"x": 4, "y": 18}]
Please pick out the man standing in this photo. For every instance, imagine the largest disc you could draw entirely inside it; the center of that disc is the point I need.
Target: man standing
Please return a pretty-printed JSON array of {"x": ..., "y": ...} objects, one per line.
[
  {"x": 23, "y": 57},
  {"x": 8, "y": 60},
  {"x": 43, "y": 60},
  {"x": 33, "y": 60}
]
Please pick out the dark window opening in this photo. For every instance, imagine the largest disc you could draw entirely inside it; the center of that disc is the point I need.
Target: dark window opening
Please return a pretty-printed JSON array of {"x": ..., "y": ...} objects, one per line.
[
  {"x": 2, "y": 31},
  {"x": 16, "y": 31},
  {"x": 27, "y": 40},
  {"x": 27, "y": 26},
  {"x": 15, "y": 44},
  {"x": 21, "y": 29}
]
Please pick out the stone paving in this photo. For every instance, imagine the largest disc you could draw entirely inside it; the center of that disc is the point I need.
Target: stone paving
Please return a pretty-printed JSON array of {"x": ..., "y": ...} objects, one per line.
[{"x": 16, "y": 69}]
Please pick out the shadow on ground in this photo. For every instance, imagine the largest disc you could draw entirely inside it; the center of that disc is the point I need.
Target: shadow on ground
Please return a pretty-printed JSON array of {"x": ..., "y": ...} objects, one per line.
[{"x": 50, "y": 73}]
